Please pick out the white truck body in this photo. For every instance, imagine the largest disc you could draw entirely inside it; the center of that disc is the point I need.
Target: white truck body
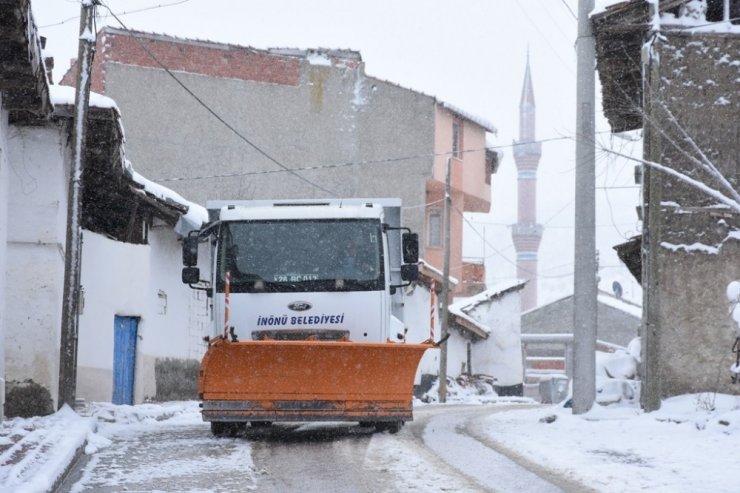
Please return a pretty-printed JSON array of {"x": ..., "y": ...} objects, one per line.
[{"x": 362, "y": 313}]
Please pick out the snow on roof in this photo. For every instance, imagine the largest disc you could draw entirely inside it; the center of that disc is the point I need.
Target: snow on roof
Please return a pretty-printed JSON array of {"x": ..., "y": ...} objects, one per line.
[
  {"x": 603, "y": 5},
  {"x": 318, "y": 56},
  {"x": 195, "y": 216},
  {"x": 454, "y": 310},
  {"x": 461, "y": 307},
  {"x": 423, "y": 264},
  {"x": 620, "y": 304},
  {"x": 602, "y": 297},
  {"x": 65, "y": 95},
  {"x": 492, "y": 293},
  {"x": 486, "y": 125},
  {"x": 696, "y": 25}
]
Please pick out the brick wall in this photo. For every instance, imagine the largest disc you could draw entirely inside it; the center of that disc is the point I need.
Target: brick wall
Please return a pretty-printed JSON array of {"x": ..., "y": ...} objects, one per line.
[{"x": 212, "y": 59}]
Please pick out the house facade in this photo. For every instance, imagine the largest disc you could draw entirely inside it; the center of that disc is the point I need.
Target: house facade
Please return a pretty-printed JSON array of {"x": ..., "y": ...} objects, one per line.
[
  {"x": 484, "y": 330},
  {"x": 32, "y": 211},
  {"x": 618, "y": 320},
  {"x": 130, "y": 260},
  {"x": 672, "y": 67},
  {"x": 288, "y": 123}
]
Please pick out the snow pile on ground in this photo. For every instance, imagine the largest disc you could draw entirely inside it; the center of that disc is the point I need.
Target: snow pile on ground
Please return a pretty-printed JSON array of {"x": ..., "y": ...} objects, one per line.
[
  {"x": 616, "y": 375},
  {"x": 468, "y": 390},
  {"x": 174, "y": 412},
  {"x": 689, "y": 445},
  {"x": 34, "y": 452}
]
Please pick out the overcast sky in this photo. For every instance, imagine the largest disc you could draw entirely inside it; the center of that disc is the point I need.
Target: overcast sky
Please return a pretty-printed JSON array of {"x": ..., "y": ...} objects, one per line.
[{"x": 470, "y": 53}]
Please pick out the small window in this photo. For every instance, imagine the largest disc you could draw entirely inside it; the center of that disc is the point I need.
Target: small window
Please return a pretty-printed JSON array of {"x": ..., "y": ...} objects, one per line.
[
  {"x": 435, "y": 228},
  {"x": 456, "y": 140}
]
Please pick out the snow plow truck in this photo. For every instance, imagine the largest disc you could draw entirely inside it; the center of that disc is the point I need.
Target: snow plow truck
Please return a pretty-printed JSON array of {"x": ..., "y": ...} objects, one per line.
[{"x": 307, "y": 303}]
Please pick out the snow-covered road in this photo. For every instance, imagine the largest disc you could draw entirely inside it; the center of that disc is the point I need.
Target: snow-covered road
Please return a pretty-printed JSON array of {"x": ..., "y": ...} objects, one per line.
[
  {"x": 446, "y": 435},
  {"x": 435, "y": 453}
]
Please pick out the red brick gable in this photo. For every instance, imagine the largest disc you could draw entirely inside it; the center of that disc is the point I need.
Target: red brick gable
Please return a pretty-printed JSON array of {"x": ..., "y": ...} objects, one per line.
[{"x": 197, "y": 57}]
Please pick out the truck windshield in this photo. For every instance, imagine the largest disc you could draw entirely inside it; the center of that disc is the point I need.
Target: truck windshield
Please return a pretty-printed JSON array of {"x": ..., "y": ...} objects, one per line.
[{"x": 301, "y": 255}]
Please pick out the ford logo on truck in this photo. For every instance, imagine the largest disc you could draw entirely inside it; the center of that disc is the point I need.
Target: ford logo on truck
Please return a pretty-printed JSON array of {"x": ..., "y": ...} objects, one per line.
[{"x": 300, "y": 306}]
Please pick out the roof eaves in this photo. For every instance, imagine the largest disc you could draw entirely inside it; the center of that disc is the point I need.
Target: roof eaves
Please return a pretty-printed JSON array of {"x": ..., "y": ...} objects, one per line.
[
  {"x": 484, "y": 124},
  {"x": 470, "y": 325},
  {"x": 23, "y": 81}
]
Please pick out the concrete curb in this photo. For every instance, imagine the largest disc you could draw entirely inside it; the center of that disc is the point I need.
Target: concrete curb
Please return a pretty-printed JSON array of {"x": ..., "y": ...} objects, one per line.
[{"x": 79, "y": 453}]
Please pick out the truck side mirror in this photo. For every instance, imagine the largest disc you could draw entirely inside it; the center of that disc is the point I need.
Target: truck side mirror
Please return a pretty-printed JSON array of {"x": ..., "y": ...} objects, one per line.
[
  {"x": 410, "y": 246},
  {"x": 190, "y": 275},
  {"x": 190, "y": 250},
  {"x": 410, "y": 272}
]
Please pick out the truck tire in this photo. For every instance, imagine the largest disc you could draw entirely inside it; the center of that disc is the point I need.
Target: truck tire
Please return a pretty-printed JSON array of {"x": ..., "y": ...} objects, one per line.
[
  {"x": 260, "y": 424},
  {"x": 389, "y": 426},
  {"x": 226, "y": 428}
]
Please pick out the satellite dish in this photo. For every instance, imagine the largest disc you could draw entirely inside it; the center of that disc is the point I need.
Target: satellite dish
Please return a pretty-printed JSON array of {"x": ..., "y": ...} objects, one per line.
[{"x": 617, "y": 288}]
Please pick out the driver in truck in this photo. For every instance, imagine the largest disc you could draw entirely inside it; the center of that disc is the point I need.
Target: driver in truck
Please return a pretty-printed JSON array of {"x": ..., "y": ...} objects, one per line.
[{"x": 356, "y": 264}]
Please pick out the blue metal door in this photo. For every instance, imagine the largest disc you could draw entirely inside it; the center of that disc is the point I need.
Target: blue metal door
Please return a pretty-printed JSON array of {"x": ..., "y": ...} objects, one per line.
[{"x": 124, "y": 359}]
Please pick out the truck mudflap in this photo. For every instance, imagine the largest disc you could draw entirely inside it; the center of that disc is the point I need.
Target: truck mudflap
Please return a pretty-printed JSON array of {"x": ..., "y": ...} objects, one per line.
[{"x": 271, "y": 380}]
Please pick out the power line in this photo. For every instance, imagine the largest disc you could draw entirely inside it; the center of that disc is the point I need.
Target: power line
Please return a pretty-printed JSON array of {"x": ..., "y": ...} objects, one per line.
[
  {"x": 359, "y": 163},
  {"x": 153, "y": 7},
  {"x": 213, "y": 112},
  {"x": 547, "y": 41},
  {"x": 569, "y": 9}
]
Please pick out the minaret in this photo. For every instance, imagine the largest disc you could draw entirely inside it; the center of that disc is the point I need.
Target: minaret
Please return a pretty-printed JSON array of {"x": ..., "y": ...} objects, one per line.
[{"x": 526, "y": 233}]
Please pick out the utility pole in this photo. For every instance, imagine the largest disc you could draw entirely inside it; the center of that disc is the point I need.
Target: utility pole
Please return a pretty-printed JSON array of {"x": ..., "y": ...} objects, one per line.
[
  {"x": 652, "y": 192},
  {"x": 584, "y": 282},
  {"x": 72, "y": 252},
  {"x": 445, "y": 289}
]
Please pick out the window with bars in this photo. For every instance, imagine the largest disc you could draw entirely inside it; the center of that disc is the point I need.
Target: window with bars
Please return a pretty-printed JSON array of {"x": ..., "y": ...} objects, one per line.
[
  {"x": 434, "y": 231},
  {"x": 456, "y": 144}
]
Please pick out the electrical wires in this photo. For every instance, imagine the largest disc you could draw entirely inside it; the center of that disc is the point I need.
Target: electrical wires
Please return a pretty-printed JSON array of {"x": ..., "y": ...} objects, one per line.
[{"x": 213, "y": 112}]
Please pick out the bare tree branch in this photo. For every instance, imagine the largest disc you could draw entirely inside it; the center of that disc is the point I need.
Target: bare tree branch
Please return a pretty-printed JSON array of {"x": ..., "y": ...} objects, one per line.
[
  {"x": 716, "y": 194},
  {"x": 705, "y": 162}
]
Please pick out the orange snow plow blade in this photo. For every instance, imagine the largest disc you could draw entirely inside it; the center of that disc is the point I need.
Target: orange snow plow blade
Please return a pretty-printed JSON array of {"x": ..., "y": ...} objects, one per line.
[{"x": 308, "y": 381}]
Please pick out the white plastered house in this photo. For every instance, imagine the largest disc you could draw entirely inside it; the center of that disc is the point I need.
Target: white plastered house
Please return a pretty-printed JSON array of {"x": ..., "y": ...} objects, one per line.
[{"x": 133, "y": 308}]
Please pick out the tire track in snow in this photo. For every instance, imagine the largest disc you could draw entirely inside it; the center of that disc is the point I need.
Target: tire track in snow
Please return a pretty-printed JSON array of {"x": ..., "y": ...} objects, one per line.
[{"x": 493, "y": 470}]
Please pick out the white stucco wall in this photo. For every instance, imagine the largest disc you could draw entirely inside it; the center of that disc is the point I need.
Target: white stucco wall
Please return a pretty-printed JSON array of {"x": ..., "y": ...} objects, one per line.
[
  {"x": 36, "y": 218},
  {"x": 3, "y": 242},
  {"x": 114, "y": 278},
  {"x": 457, "y": 354},
  {"x": 417, "y": 319},
  {"x": 501, "y": 354},
  {"x": 177, "y": 325},
  {"x": 138, "y": 281},
  {"x": 417, "y": 308}
]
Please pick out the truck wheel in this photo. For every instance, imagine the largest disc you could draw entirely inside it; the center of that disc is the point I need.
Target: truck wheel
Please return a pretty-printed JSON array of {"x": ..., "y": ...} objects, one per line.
[
  {"x": 395, "y": 427},
  {"x": 389, "y": 426},
  {"x": 226, "y": 428},
  {"x": 260, "y": 424},
  {"x": 218, "y": 428}
]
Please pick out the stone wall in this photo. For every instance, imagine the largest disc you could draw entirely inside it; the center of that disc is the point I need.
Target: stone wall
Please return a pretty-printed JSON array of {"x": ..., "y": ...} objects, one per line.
[{"x": 691, "y": 254}]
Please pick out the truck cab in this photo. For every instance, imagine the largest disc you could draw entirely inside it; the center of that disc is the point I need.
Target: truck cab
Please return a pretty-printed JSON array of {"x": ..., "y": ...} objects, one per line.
[{"x": 307, "y": 309}]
